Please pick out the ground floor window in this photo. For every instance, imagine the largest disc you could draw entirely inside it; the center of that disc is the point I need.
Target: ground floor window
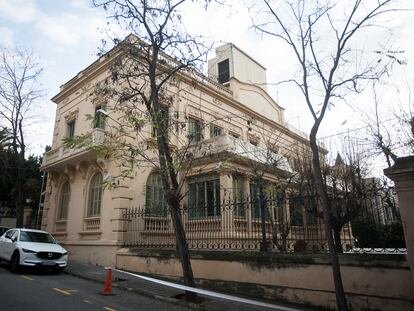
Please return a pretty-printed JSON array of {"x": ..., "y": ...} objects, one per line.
[
  {"x": 238, "y": 197},
  {"x": 255, "y": 201},
  {"x": 204, "y": 197},
  {"x": 155, "y": 203}
]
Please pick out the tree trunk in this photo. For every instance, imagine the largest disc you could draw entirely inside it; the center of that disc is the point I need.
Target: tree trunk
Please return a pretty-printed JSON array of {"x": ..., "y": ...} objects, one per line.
[
  {"x": 317, "y": 175},
  {"x": 171, "y": 185},
  {"x": 19, "y": 203},
  {"x": 263, "y": 245},
  {"x": 337, "y": 237},
  {"x": 182, "y": 249}
]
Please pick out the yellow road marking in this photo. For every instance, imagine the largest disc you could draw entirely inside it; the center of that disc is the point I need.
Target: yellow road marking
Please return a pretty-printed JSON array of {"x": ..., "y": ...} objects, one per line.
[
  {"x": 109, "y": 309},
  {"x": 27, "y": 278},
  {"x": 62, "y": 291},
  {"x": 87, "y": 301}
]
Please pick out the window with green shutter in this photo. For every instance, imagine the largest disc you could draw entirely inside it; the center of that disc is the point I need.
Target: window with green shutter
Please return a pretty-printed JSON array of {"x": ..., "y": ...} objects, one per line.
[
  {"x": 155, "y": 203},
  {"x": 64, "y": 201},
  {"x": 95, "y": 196},
  {"x": 195, "y": 130},
  {"x": 238, "y": 185},
  {"x": 204, "y": 197},
  {"x": 100, "y": 118},
  {"x": 215, "y": 131}
]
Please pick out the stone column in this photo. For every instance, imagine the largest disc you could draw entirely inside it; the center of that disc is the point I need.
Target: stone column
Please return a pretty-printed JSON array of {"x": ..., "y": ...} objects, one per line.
[
  {"x": 227, "y": 209},
  {"x": 402, "y": 173}
]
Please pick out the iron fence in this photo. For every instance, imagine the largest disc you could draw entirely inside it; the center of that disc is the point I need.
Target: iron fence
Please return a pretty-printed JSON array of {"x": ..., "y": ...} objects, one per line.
[{"x": 293, "y": 224}]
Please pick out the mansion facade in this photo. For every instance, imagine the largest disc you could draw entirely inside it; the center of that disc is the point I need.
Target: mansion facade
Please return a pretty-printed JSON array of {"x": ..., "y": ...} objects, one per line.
[{"x": 88, "y": 217}]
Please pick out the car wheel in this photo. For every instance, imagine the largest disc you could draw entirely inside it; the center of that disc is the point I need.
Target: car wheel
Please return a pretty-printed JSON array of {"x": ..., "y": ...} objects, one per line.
[{"x": 15, "y": 262}]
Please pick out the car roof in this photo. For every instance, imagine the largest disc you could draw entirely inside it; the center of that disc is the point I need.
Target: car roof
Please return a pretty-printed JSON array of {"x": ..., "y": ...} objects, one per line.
[{"x": 30, "y": 230}]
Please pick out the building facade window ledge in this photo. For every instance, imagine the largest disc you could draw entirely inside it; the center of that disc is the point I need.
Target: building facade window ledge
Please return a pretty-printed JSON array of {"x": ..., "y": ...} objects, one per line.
[
  {"x": 60, "y": 226},
  {"x": 96, "y": 233},
  {"x": 91, "y": 224},
  {"x": 60, "y": 235}
]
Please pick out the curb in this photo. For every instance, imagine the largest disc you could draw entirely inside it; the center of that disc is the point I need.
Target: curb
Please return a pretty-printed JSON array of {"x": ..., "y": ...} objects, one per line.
[{"x": 143, "y": 292}]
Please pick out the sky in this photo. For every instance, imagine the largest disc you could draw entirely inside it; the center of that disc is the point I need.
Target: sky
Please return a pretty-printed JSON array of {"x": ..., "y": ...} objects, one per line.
[{"x": 65, "y": 35}]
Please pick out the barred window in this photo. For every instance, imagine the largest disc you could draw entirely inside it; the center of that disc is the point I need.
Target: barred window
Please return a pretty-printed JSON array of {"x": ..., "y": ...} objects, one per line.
[
  {"x": 95, "y": 196},
  {"x": 64, "y": 201},
  {"x": 155, "y": 203}
]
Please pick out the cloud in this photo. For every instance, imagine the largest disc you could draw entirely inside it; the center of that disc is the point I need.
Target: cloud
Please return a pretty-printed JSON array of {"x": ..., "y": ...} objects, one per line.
[
  {"x": 7, "y": 37},
  {"x": 18, "y": 11},
  {"x": 68, "y": 29}
]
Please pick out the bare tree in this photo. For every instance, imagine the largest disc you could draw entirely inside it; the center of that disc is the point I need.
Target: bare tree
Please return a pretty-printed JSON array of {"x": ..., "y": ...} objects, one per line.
[
  {"x": 391, "y": 141},
  {"x": 327, "y": 71},
  {"x": 19, "y": 90},
  {"x": 147, "y": 65}
]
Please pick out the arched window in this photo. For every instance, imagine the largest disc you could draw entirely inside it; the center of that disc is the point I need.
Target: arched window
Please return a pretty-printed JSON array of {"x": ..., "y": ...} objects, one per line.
[
  {"x": 155, "y": 204},
  {"x": 64, "y": 201},
  {"x": 95, "y": 196}
]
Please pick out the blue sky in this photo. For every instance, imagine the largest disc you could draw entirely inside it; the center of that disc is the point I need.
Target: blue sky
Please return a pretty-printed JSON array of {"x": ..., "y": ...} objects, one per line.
[{"x": 65, "y": 36}]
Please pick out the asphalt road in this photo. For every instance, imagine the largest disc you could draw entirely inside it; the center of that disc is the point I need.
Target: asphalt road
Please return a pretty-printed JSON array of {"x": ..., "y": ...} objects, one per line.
[{"x": 32, "y": 290}]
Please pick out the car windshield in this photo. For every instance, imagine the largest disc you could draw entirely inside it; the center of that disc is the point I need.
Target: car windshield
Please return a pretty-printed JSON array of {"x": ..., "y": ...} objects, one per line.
[{"x": 39, "y": 237}]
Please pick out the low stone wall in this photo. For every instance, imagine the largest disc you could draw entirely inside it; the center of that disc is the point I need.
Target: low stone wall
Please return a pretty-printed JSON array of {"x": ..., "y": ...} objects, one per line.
[
  {"x": 102, "y": 254},
  {"x": 372, "y": 282}
]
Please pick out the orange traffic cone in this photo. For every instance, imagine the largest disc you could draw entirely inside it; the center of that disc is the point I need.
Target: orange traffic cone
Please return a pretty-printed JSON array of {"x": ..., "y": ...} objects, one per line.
[{"x": 107, "y": 290}]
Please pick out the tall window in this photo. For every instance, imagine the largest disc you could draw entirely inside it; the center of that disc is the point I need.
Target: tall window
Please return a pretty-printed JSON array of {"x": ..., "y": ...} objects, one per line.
[
  {"x": 100, "y": 117},
  {"x": 296, "y": 211},
  {"x": 204, "y": 197},
  {"x": 195, "y": 130},
  {"x": 223, "y": 71},
  {"x": 238, "y": 183},
  {"x": 71, "y": 129},
  {"x": 155, "y": 204},
  {"x": 95, "y": 196},
  {"x": 255, "y": 200},
  {"x": 162, "y": 121},
  {"x": 64, "y": 201}
]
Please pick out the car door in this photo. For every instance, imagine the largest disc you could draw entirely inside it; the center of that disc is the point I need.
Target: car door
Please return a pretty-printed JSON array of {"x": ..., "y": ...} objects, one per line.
[{"x": 6, "y": 246}]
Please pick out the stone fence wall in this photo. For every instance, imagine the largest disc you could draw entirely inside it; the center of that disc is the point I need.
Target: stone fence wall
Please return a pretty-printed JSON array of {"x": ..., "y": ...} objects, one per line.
[{"x": 371, "y": 282}]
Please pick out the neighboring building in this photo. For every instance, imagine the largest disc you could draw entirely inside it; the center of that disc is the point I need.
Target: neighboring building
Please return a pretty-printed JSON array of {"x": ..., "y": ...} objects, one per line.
[
  {"x": 382, "y": 207},
  {"x": 88, "y": 219}
]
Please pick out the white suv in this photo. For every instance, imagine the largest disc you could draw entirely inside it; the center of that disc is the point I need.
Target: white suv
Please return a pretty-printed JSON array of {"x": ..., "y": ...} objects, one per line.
[{"x": 26, "y": 247}]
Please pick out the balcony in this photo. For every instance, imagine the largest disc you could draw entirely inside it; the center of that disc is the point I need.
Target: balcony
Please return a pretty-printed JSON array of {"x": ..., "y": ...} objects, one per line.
[
  {"x": 239, "y": 148},
  {"x": 60, "y": 157}
]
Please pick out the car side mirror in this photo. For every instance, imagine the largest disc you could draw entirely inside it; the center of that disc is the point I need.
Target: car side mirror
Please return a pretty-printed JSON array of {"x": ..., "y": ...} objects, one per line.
[{"x": 14, "y": 239}]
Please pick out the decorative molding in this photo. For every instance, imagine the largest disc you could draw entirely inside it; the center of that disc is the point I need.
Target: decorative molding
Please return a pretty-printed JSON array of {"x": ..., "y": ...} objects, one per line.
[
  {"x": 54, "y": 178},
  {"x": 71, "y": 115},
  {"x": 70, "y": 172},
  {"x": 253, "y": 138},
  {"x": 82, "y": 168}
]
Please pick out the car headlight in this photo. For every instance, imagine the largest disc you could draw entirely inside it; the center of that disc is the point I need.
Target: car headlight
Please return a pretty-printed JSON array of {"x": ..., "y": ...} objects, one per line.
[{"x": 28, "y": 251}]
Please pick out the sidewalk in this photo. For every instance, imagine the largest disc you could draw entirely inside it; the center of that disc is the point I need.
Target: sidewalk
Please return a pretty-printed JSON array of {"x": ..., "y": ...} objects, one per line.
[{"x": 122, "y": 281}]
